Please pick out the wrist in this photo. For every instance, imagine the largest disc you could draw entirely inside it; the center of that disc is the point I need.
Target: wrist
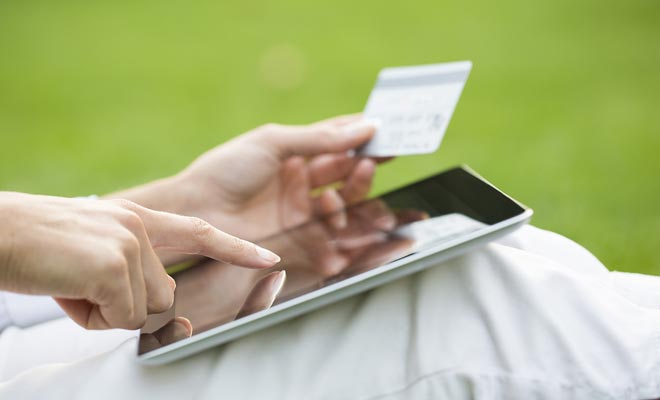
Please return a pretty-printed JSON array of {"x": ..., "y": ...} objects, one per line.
[{"x": 166, "y": 194}]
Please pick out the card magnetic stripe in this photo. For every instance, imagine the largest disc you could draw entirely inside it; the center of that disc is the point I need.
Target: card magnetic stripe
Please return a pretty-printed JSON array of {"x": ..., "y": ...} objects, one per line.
[{"x": 422, "y": 80}]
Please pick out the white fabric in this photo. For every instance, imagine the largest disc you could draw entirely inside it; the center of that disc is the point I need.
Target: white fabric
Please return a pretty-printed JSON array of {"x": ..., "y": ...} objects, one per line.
[
  {"x": 23, "y": 310},
  {"x": 5, "y": 320},
  {"x": 535, "y": 316}
]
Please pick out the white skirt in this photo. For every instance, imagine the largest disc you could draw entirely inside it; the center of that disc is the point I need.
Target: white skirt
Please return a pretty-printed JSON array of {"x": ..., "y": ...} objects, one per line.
[{"x": 534, "y": 316}]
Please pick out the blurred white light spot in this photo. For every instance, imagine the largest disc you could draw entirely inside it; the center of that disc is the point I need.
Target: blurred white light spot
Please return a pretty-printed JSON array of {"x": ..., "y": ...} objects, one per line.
[{"x": 283, "y": 66}]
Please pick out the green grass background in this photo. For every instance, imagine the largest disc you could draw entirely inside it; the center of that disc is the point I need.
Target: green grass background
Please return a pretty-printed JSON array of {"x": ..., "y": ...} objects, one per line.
[{"x": 561, "y": 110}]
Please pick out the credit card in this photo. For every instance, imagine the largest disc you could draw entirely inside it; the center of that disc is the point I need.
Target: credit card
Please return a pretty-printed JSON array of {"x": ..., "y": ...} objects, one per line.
[{"x": 412, "y": 107}]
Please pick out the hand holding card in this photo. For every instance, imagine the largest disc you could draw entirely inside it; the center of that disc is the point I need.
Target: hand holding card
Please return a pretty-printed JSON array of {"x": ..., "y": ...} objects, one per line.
[{"x": 412, "y": 107}]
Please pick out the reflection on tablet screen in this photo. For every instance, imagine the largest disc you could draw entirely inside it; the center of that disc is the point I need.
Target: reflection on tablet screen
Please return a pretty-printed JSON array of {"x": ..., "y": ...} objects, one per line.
[{"x": 319, "y": 253}]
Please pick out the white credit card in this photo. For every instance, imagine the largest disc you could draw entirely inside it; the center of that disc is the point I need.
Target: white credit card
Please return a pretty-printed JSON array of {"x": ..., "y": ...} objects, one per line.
[{"x": 412, "y": 107}]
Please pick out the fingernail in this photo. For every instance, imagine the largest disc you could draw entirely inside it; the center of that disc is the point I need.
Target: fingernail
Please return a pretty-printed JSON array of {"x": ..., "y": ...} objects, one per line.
[
  {"x": 185, "y": 324},
  {"x": 172, "y": 282},
  {"x": 267, "y": 255},
  {"x": 360, "y": 127}
]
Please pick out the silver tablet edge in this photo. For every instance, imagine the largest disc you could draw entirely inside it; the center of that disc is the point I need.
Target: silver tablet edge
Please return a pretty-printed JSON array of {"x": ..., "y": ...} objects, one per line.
[{"x": 332, "y": 293}]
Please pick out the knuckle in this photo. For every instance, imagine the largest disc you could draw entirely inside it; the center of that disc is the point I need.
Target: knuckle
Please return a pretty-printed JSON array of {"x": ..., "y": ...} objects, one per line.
[
  {"x": 237, "y": 245},
  {"x": 130, "y": 245},
  {"x": 100, "y": 289},
  {"x": 338, "y": 164},
  {"x": 109, "y": 278},
  {"x": 236, "y": 249},
  {"x": 202, "y": 231},
  {"x": 268, "y": 132},
  {"x": 116, "y": 265},
  {"x": 327, "y": 135},
  {"x": 163, "y": 301},
  {"x": 135, "y": 317},
  {"x": 130, "y": 220},
  {"x": 137, "y": 320}
]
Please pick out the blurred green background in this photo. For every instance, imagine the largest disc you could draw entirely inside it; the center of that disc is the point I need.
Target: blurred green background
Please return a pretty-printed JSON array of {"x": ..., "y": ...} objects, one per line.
[{"x": 561, "y": 110}]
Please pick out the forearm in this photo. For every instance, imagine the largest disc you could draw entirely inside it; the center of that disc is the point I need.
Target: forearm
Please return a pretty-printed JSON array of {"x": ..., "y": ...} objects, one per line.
[
  {"x": 166, "y": 194},
  {"x": 16, "y": 309},
  {"x": 181, "y": 194},
  {"x": 7, "y": 239}
]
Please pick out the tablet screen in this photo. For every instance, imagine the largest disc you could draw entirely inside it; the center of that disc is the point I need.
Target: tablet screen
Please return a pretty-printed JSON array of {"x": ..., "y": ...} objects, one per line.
[{"x": 327, "y": 250}]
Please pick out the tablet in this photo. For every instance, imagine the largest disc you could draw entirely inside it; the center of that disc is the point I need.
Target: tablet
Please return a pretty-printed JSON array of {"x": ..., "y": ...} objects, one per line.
[{"x": 331, "y": 258}]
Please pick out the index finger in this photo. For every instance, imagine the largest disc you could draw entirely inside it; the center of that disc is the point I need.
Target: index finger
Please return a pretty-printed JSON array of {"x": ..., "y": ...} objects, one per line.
[
  {"x": 343, "y": 119},
  {"x": 310, "y": 140},
  {"x": 191, "y": 235}
]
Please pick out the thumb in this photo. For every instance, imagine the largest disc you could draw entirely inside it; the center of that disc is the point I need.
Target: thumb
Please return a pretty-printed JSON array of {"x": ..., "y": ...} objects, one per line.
[
  {"x": 190, "y": 235},
  {"x": 319, "y": 138}
]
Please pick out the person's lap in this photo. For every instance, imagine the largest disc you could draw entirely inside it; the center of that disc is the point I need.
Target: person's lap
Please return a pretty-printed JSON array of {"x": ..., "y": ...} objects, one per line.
[{"x": 547, "y": 321}]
